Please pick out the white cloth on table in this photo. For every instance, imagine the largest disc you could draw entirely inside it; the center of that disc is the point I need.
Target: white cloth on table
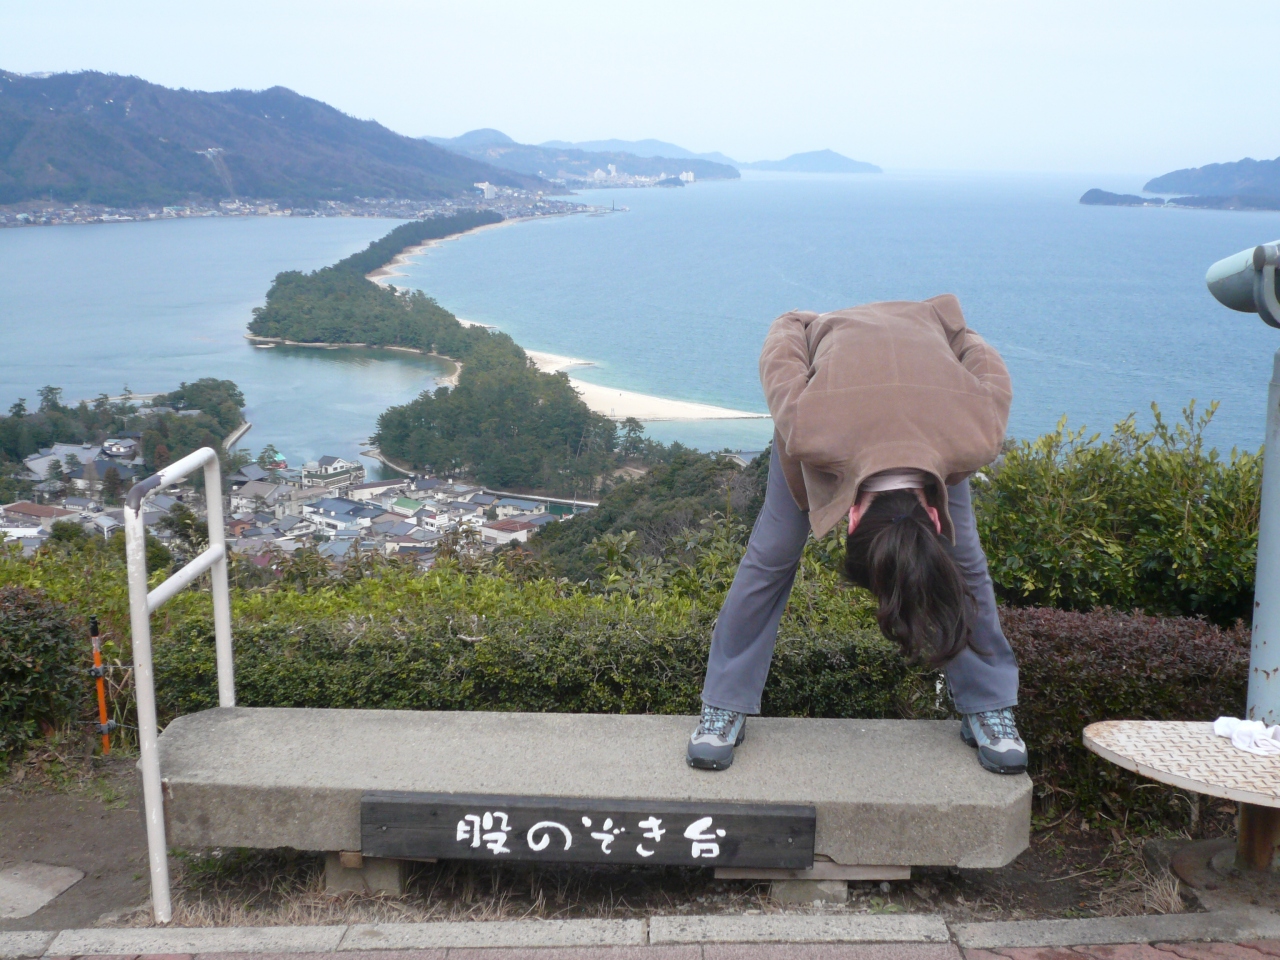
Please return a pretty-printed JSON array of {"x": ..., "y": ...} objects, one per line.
[{"x": 1251, "y": 735}]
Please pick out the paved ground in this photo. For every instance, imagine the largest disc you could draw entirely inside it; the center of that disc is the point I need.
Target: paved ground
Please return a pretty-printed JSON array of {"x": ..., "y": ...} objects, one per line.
[
  {"x": 1255, "y": 950},
  {"x": 106, "y": 841}
]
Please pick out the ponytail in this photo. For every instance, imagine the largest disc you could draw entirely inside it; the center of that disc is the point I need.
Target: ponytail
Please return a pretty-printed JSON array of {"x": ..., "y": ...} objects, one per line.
[{"x": 924, "y": 604}]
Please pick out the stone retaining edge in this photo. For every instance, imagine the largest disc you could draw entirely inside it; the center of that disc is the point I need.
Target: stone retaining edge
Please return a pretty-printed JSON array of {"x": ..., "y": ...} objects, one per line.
[
  {"x": 25, "y": 943},
  {"x": 773, "y": 928},
  {"x": 1232, "y": 926},
  {"x": 1224, "y": 925},
  {"x": 494, "y": 933}
]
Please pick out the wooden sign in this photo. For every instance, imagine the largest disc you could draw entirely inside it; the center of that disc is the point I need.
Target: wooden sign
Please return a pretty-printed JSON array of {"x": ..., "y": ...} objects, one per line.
[{"x": 461, "y": 826}]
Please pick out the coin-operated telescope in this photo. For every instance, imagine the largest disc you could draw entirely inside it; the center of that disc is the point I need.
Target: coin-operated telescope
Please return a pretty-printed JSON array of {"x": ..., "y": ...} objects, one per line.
[{"x": 1246, "y": 281}]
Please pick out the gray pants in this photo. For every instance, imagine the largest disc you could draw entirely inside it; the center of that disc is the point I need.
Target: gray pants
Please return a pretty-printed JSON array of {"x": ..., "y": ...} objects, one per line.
[{"x": 742, "y": 644}]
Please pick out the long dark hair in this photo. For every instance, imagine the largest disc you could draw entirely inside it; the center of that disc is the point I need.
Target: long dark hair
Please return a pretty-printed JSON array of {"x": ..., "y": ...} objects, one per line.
[{"x": 896, "y": 553}]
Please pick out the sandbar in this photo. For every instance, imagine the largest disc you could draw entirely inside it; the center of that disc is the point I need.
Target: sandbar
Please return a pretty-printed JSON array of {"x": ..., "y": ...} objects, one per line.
[
  {"x": 620, "y": 404},
  {"x": 606, "y": 401}
]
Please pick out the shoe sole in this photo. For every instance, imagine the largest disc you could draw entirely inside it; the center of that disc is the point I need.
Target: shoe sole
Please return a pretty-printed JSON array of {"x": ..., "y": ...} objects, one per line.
[
  {"x": 996, "y": 768},
  {"x": 708, "y": 763}
]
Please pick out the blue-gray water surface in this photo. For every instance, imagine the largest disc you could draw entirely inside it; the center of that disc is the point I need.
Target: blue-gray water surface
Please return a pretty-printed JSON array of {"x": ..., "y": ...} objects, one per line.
[
  {"x": 96, "y": 307},
  {"x": 1098, "y": 310}
]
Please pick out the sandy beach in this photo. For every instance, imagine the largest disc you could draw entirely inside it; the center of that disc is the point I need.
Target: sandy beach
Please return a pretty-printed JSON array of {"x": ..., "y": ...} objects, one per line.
[
  {"x": 391, "y": 269},
  {"x": 621, "y": 404},
  {"x": 606, "y": 401}
]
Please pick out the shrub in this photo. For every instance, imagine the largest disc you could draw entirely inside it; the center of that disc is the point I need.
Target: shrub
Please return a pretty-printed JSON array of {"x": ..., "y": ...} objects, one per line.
[
  {"x": 41, "y": 673},
  {"x": 605, "y": 657},
  {"x": 1143, "y": 520},
  {"x": 1078, "y": 668}
]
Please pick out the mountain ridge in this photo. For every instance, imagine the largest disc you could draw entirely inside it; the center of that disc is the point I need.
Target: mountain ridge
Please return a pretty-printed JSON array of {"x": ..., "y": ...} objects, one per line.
[
  {"x": 1247, "y": 177},
  {"x": 814, "y": 161},
  {"x": 571, "y": 163},
  {"x": 105, "y": 138}
]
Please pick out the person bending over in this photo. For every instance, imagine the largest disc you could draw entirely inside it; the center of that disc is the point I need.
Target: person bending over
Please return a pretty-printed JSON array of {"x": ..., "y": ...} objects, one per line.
[{"x": 881, "y": 413}]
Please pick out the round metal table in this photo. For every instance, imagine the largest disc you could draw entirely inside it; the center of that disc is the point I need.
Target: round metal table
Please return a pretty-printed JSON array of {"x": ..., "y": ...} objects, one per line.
[{"x": 1193, "y": 757}]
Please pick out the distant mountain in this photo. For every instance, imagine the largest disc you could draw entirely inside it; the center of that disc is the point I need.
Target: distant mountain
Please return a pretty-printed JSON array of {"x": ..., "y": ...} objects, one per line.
[
  {"x": 1101, "y": 198},
  {"x": 641, "y": 148},
  {"x": 572, "y": 163},
  {"x": 815, "y": 161},
  {"x": 473, "y": 138},
  {"x": 101, "y": 138},
  {"x": 1244, "y": 178}
]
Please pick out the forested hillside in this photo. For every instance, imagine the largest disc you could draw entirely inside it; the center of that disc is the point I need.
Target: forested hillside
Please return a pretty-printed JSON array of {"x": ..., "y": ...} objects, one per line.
[
  {"x": 337, "y": 304},
  {"x": 495, "y": 147},
  {"x": 164, "y": 436},
  {"x": 1244, "y": 178},
  {"x": 100, "y": 138},
  {"x": 504, "y": 424}
]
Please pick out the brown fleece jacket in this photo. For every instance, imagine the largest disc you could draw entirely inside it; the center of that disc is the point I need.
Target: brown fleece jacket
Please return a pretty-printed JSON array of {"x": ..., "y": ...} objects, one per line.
[{"x": 879, "y": 387}]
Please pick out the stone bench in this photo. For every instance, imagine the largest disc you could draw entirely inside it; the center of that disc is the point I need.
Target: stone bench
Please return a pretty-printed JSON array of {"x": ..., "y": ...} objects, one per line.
[{"x": 888, "y": 794}]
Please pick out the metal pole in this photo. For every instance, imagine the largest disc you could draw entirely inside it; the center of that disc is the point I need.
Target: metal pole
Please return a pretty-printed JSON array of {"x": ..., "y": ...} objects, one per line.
[
  {"x": 1264, "y": 662},
  {"x": 135, "y": 542},
  {"x": 1258, "y": 833},
  {"x": 221, "y": 590}
]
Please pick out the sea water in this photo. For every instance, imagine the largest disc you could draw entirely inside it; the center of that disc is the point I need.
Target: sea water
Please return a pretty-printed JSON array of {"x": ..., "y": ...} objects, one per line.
[
  {"x": 95, "y": 308},
  {"x": 1098, "y": 310}
]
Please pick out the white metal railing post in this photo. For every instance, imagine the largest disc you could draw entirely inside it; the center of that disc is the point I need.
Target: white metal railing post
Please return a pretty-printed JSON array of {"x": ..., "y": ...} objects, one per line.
[
  {"x": 220, "y": 587},
  {"x": 141, "y": 605},
  {"x": 144, "y": 684}
]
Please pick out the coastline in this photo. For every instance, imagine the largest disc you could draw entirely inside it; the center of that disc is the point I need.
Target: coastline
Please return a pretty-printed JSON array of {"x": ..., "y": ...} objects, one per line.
[
  {"x": 450, "y": 379},
  {"x": 621, "y": 404},
  {"x": 388, "y": 269},
  {"x": 606, "y": 401}
]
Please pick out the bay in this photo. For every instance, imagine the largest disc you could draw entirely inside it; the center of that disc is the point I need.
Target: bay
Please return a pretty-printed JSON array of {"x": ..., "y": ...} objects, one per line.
[
  {"x": 1098, "y": 311},
  {"x": 97, "y": 307}
]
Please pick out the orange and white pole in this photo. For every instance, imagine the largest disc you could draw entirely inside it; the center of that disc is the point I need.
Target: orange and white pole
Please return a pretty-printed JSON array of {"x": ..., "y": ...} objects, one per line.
[{"x": 104, "y": 726}]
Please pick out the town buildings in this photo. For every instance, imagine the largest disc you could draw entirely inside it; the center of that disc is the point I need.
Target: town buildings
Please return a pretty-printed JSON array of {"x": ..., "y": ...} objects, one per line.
[{"x": 327, "y": 505}]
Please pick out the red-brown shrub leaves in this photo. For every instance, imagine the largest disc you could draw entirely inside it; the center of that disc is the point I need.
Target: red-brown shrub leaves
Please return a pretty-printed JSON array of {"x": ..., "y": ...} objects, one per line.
[{"x": 1079, "y": 668}]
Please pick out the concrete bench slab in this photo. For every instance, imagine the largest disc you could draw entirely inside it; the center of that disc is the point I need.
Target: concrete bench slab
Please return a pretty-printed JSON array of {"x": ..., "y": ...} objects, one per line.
[{"x": 892, "y": 792}]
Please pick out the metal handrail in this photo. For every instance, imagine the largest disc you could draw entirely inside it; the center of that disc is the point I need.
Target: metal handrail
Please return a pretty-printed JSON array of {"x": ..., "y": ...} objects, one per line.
[{"x": 142, "y": 603}]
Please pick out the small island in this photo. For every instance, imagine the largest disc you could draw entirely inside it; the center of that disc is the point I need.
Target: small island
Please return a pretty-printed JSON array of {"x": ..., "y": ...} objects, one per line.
[{"x": 1102, "y": 198}]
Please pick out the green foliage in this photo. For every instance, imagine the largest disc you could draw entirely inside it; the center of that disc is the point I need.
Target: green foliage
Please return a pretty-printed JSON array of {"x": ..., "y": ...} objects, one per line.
[
  {"x": 42, "y": 677},
  {"x": 411, "y": 234},
  {"x": 159, "y": 556},
  {"x": 1144, "y": 519},
  {"x": 671, "y": 497},
  {"x": 165, "y": 437},
  {"x": 220, "y": 400},
  {"x": 504, "y": 424}
]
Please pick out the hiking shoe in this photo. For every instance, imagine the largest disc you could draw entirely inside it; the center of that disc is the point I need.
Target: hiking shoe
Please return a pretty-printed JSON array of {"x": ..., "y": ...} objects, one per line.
[
  {"x": 995, "y": 734},
  {"x": 719, "y": 731}
]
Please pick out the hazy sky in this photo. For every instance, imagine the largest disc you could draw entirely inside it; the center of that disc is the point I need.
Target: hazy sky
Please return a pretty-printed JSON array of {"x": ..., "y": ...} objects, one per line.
[{"x": 1117, "y": 87}]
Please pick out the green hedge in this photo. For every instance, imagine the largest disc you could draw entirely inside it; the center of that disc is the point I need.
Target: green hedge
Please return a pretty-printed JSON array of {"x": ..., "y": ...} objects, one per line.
[
  {"x": 42, "y": 674},
  {"x": 613, "y": 659},
  {"x": 1148, "y": 520}
]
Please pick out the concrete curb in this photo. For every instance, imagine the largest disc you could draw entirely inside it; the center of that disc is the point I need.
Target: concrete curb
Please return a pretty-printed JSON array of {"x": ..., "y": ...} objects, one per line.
[
  {"x": 177, "y": 940},
  {"x": 1234, "y": 927},
  {"x": 1228, "y": 926},
  {"x": 494, "y": 933},
  {"x": 898, "y": 928},
  {"x": 25, "y": 943}
]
